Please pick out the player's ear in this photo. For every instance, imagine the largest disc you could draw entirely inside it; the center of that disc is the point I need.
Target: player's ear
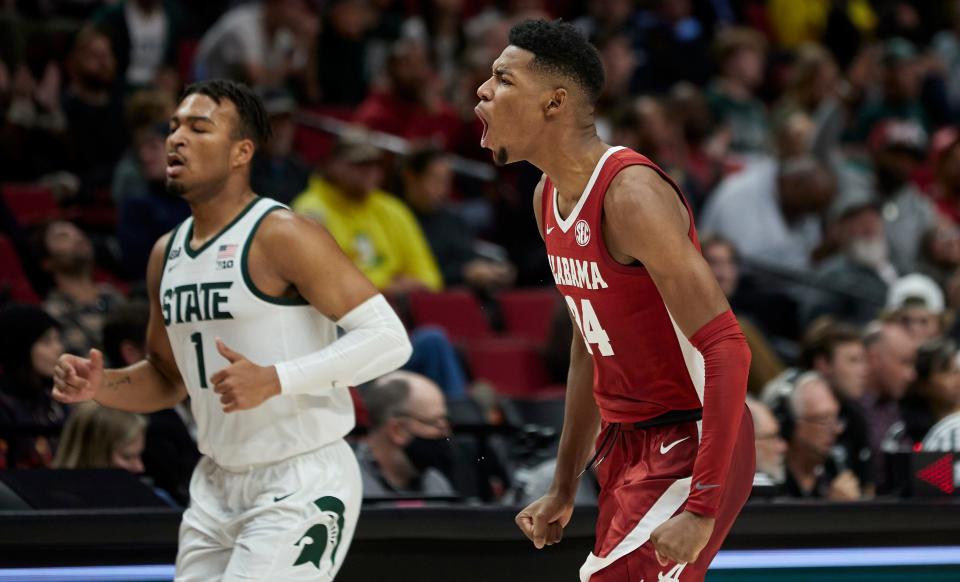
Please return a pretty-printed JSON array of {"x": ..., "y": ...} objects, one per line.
[
  {"x": 243, "y": 152},
  {"x": 557, "y": 101}
]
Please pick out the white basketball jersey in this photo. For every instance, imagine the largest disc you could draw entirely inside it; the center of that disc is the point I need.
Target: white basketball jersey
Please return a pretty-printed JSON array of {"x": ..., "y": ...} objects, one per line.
[{"x": 207, "y": 293}]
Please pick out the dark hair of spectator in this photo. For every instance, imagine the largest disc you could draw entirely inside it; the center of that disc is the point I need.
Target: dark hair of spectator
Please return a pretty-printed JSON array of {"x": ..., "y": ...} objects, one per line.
[
  {"x": 711, "y": 239},
  {"x": 822, "y": 341},
  {"x": 126, "y": 322},
  {"x": 934, "y": 357},
  {"x": 385, "y": 399},
  {"x": 254, "y": 123},
  {"x": 560, "y": 49},
  {"x": 419, "y": 160}
]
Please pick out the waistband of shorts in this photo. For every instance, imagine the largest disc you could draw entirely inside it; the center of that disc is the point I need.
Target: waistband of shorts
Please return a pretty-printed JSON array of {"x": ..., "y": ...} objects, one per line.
[
  {"x": 292, "y": 458},
  {"x": 667, "y": 418}
]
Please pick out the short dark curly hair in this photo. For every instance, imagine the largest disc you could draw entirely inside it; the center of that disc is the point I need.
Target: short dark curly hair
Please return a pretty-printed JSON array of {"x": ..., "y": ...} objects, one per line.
[
  {"x": 559, "y": 48},
  {"x": 254, "y": 123}
]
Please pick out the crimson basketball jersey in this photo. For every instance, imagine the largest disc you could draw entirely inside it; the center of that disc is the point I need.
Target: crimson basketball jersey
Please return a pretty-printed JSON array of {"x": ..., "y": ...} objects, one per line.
[{"x": 644, "y": 366}]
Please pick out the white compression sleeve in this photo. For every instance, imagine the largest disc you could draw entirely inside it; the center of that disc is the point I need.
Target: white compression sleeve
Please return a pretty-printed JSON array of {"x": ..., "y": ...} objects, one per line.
[{"x": 375, "y": 343}]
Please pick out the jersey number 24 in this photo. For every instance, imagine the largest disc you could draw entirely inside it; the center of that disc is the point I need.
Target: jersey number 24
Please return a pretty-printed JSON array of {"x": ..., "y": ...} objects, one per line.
[{"x": 590, "y": 328}]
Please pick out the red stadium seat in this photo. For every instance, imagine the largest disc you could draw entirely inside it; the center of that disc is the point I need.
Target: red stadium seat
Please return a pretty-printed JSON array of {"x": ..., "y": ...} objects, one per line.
[
  {"x": 30, "y": 204},
  {"x": 12, "y": 278},
  {"x": 457, "y": 312},
  {"x": 514, "y": 367},
  {"x": 527, "y": 313}
]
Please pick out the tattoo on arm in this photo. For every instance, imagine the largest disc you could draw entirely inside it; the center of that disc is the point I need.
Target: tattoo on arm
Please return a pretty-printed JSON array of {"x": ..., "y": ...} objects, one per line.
[{"x": 114, "y": 385}]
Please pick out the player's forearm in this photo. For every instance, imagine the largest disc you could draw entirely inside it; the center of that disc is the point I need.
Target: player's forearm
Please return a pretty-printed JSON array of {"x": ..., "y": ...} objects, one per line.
[
  {"x": 727, "y": 364},
  {"x": 375, "y": 343},
  {"x": 581, "y": 423},
  {"x": 138, "y": 388}
]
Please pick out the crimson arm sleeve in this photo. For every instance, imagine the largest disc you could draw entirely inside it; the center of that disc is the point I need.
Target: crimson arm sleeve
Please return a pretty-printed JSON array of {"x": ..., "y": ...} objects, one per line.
[{"x": 726, "y": 359}]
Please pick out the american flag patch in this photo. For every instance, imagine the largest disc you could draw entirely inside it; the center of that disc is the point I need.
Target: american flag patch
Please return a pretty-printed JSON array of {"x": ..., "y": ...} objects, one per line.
[{"x": 226, "y": 252}]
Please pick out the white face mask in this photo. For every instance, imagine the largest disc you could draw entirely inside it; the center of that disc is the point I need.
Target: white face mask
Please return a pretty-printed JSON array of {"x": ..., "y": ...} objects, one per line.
[{"x": 870, "y": 252}]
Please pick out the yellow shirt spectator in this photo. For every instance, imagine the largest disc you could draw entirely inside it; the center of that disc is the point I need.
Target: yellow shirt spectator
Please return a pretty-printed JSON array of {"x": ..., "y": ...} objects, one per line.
[{"x": 378, "y": 232}]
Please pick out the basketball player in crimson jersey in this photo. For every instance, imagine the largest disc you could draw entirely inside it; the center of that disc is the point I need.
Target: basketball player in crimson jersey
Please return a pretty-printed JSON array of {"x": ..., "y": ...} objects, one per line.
[{"x": 658, "y": 370}]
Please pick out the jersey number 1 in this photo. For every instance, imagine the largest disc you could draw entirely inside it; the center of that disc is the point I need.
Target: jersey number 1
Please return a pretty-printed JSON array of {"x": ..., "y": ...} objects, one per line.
[
  {"x": 590, "y": 328},
  {"x": 197, "y": 340}
]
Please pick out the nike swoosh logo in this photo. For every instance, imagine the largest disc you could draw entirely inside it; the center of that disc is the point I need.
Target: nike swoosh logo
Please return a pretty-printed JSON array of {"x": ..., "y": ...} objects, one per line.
[
  {"x": 550, "y": 229},
  {"x": 282, "y": 497},
  {"x": 666, "y": 449},
  {"x": 700, "y": 486}
]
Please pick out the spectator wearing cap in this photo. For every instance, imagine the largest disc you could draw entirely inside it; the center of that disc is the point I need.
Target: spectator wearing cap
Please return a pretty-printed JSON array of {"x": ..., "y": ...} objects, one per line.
[
  {"x": 146, "y": 211},
  {"x": 851, "y": 285},
  {"x": 375, "y": 229},
  {"x": 891, "y": 355},
  {"x": 945, "y": 162},
  {"x": 897, "y": 149},
  {"x": 411, "y": 103},
  {"x": 916, "y": 302},
  {"x": 935, "y": 394},
  {"x": 278, "y": 171},
  {"x": 899, "y": 97},
  {"x": 29, "y": 416}
]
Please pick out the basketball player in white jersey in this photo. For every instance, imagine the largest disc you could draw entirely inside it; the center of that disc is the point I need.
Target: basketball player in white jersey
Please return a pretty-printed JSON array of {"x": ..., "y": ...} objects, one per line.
[{"x": 245, "y": 301}]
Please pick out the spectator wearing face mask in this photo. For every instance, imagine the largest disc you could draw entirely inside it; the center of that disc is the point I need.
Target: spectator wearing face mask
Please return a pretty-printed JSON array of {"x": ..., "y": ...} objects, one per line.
[{"x": 408, "y": 450}]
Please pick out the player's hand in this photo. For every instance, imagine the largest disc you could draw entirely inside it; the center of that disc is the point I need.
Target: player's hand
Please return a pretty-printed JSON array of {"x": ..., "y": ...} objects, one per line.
[
  {"x": 543, "y": 520},
  {"x": 76, "y": 379},
  {"x": 681, "y": 538},
  {"x": 243, "y": 385}
]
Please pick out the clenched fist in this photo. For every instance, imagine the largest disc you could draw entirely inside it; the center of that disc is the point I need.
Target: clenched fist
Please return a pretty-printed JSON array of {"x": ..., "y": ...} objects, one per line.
[
  {"x": 243, "y": 385},
  {"x": 543, "y": 520},
  {"x": 76, "y": 379},
  {"x": 682, "y": 537}
]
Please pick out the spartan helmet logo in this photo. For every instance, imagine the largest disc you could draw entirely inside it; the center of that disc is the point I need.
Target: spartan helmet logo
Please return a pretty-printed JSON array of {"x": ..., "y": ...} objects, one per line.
[
  {"x": 322, "y": 536},
  {"x": 583, "y": 233}
]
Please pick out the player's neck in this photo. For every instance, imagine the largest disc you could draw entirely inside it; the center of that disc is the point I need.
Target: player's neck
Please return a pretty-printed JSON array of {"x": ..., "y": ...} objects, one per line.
[
  {"x": 571, "y": 166},
  {"x": 211, "y": 214}
]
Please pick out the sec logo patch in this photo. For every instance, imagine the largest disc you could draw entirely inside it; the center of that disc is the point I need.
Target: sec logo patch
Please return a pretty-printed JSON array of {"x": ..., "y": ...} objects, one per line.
[{"x": 583, "y": 233}]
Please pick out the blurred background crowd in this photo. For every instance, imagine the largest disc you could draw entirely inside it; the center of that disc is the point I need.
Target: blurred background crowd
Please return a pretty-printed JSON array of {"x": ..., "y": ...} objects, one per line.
[{"x": 817, "y": 141}]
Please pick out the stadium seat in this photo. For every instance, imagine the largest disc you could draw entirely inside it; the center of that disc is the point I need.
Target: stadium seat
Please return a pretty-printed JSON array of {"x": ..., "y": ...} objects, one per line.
[
  {"x": 514, "y": 366},
  {"x": 545, "y": 410},
  {"x": 30, "y": 204},
  {"x": 12, "y": 278},
  {"x": 527, "y": 313},
  {"x": 457, "y": 312}
]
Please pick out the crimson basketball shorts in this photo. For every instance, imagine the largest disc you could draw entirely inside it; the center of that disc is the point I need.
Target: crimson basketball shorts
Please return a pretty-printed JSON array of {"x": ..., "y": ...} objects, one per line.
[{"x": 645, "y": 478}]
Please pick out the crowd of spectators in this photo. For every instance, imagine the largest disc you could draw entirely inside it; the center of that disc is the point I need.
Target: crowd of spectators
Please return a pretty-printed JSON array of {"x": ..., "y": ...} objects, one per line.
[{"x": 818, "y": 143}]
